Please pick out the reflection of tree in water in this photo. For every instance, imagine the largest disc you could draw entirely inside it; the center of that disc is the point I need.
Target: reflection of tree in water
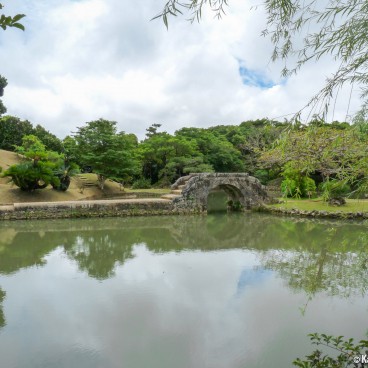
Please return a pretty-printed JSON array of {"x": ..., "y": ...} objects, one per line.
[
  {"x": 315, "y": 260},
  {"x": 98, "y": 253},
  {"x": 311, "y": 255},
  {"x": 23, "y": 249},
  {"x": 2, "y": 317}
]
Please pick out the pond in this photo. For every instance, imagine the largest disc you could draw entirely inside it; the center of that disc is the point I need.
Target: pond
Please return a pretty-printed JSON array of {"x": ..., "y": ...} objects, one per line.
[{"x": 216, "y": 291}]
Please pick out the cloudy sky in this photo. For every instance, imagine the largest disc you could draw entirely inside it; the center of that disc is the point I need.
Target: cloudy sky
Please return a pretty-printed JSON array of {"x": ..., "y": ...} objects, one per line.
[{"x": 80, "y": 60}]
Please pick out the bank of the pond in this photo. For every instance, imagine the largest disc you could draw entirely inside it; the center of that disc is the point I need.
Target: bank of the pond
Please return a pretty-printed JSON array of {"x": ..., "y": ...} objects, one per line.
[
  {"x": 144, "y": 207},
  {"x": 332, "y": 213},
  {"x": 90, "y": 208}
]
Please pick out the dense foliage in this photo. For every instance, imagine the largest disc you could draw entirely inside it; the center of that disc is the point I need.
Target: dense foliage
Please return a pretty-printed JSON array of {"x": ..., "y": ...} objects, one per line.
[
  {"x": 326, "y": 159},
  {"x": 12, "y": 131},
  {"x": 343, "y": 353},
  {"x": 111, "y": 154},
  {"x": 39, "y": 167},
  {"x": 327, "y": 153}
]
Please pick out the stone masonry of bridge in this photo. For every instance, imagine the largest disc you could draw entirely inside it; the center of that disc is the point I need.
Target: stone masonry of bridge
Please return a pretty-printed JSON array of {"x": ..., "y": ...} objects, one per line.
[{"x": 243, "y": 191}]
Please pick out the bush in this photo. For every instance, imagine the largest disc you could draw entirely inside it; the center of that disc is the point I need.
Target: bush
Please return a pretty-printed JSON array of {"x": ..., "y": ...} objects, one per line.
[
  {"x": 142, "y": 184},
  {"x": 288, "y": 187},
  {"x": 29, "y": 176},
  {"x": 332, "y": 189},
  {"x": 301, "y": 187},
  {"x": 309, "y": 187},
  {"x": 263, "y": 176},
  {"x": 64, "y": 174}
]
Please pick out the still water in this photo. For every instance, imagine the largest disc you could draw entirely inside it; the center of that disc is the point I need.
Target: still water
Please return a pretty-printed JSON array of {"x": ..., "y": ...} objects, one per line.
[{"x": 178, "y": 292}]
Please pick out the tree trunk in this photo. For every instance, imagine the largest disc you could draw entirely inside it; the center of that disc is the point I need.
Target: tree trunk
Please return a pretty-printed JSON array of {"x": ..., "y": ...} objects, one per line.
[{"x": 101, "y": 181}]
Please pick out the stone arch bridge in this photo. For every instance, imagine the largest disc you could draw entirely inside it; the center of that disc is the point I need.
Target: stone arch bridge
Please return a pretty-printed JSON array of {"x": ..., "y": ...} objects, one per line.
[{"x": 190, "y": 193}]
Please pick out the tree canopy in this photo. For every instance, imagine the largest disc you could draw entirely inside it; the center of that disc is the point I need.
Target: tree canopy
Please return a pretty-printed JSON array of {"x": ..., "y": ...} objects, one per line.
[
  {"x": 324, "y": 159},
  {"x": 111, "y": 154}
]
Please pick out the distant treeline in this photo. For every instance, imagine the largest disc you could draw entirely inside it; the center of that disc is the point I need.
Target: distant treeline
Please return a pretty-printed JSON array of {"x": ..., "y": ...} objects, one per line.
[{"x": 307, "y": 157}]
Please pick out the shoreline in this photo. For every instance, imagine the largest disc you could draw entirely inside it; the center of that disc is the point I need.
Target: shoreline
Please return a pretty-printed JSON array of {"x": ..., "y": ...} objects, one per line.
[
  {"x": 314, "y": 213},
  {"x": 138, "y": 207}
]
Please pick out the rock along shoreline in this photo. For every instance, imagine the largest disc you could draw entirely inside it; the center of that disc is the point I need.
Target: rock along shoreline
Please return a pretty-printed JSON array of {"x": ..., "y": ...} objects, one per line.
[{"x": 315, "y": 214}]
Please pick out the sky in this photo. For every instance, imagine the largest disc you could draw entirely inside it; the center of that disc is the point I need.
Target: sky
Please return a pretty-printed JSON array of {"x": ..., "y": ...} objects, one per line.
[{"x": 81, "y": 60}]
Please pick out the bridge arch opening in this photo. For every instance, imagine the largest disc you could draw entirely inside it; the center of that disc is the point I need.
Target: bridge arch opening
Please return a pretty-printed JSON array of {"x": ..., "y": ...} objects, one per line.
[{"x": 225, "y": 198}]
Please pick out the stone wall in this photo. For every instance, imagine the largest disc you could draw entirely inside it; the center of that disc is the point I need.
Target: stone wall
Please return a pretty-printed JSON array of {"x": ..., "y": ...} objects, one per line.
[{"x": 81, "y": 209}]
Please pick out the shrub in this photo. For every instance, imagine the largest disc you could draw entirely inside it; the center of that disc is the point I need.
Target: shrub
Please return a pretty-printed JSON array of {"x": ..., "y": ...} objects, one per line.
[
  {"x": 263, "y": 176},
  {"x": 334, "y": 189},
  {"x": 29, "y": 175},
  {"x": 302, "y": 187},
  {"x": 142, "y": 183},
  {"x": 288, "y": 187},
  {"x": 309, "y": 187},
  {"x": 64, "y": 174}
]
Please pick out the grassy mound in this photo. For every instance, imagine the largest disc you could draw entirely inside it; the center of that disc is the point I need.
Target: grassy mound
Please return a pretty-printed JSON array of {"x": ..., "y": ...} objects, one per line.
[{"x": 82, "y": 187}]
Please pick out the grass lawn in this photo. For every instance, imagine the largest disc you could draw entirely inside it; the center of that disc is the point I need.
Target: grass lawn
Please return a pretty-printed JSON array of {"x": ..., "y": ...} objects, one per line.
[{"x": 317, "y": 204}]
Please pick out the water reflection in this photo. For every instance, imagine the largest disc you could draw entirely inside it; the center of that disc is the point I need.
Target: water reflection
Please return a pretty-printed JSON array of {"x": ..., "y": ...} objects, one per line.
[
  {"x": 310, "y": 255},
  {"x": 331, "y": 259},
  {"x": 98, "y": 253},
  {"x": 2, "y": 317},
  {"x": 176, "y": 291}
]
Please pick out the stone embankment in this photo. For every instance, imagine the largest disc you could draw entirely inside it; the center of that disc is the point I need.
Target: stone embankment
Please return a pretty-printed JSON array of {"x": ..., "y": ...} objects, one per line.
[
  {"x": 80, "y": 209},
  {"x": 315, "y": 214}
]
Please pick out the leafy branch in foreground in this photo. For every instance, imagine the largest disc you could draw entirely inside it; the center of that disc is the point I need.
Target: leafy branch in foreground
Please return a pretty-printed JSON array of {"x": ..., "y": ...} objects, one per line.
[
  {"x": 9, "y": 21},
  {"x": 347, "y": 353},
  {"x": 333, "y": 27},
  {"x": 194, "y": 7}
]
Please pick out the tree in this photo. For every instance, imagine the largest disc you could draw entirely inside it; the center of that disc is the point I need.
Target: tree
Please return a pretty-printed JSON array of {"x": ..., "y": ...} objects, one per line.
[
  {"x": 334, "y": 27},
  {"x": 12, "y": 130},
  {"x": 9, "y": 21},
  {"x": 3, "y": 84},
  {"x": 152, "y": 130},
  {"x": 322, "y": 152},
  {"x": 164, "y": 157},
  {"x": 217, "y": 151},
  {"x": 110, "y": 154},
  {"x": 38, "y": 168},
  {"x": 50, "y": 140}
]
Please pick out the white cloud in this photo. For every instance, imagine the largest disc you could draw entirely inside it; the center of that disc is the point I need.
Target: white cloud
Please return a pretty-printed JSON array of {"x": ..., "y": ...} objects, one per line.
[{"x": 82, "y": 60}]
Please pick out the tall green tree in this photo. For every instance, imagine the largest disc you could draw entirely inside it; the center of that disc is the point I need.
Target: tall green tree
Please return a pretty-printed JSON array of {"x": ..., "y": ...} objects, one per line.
[
  {"x": 12, "y": 130},
  {"x": 217, "y": 151},
  {"x": 110, "y": 154},
  {"x": 165, "y": 157},
  {"x": 50, "y": 140}
]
